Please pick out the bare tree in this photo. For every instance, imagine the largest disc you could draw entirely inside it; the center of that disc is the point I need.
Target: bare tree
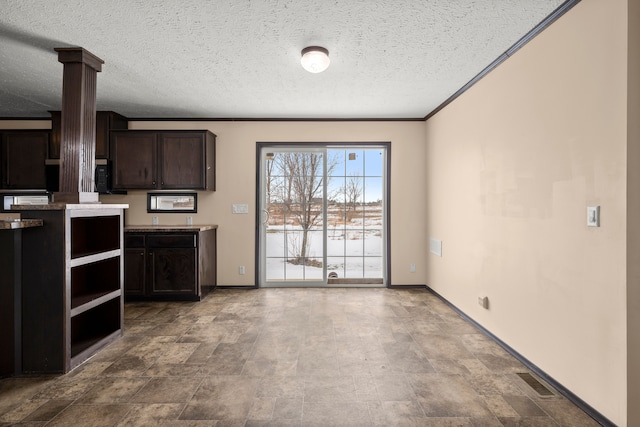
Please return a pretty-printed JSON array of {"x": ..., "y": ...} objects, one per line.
[
  {"x": 270, "y": 165},
  {"x": 352, "y": 191},
  {"x": 301, "y": 192},
  {"x": 307, "y": 190}
]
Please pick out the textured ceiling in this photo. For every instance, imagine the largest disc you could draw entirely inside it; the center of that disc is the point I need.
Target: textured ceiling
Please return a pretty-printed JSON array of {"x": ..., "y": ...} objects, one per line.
[{"x": 241, "y": 58}]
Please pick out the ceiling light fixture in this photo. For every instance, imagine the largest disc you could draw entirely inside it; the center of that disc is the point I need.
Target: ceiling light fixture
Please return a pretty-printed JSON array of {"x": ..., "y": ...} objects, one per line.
[{"x": 315, "y": 59}]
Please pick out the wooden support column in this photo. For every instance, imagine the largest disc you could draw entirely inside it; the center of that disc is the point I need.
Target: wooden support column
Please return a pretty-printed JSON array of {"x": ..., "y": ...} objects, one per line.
[{"x": 78, "y": 134}]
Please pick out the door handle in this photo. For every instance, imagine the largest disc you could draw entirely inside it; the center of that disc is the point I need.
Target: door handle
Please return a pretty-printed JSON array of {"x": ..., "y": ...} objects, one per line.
[{"x": 266, "y": 216}]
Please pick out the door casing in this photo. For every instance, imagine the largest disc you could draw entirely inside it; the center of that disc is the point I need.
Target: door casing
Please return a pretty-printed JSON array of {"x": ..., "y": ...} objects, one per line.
[{"x": 386, "y": 146}]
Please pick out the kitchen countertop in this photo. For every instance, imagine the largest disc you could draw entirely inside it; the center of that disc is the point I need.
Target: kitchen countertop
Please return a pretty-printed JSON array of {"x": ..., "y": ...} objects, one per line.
[
  {"x": 16, "y": 224},
  {"x": 168, "y": 228}
]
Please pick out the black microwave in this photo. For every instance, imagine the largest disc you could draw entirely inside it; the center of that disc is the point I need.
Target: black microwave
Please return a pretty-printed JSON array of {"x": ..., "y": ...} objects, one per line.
[{"x": 102, "y": 176}]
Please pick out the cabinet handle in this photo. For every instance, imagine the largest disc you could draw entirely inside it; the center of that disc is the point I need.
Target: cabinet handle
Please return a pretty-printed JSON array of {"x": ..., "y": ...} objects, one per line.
[{"x": 141, "y": 253}]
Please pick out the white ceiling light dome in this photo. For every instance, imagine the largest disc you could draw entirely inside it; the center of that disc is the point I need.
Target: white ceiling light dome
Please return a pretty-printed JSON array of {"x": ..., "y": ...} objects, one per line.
[{"x": 315, "y": 59}]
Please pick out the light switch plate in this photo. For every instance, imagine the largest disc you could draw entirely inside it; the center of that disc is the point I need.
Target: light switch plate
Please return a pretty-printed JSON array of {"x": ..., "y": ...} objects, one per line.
[
  {"x": 593, "y": 216},
  {"x": 240, "y": 209}
]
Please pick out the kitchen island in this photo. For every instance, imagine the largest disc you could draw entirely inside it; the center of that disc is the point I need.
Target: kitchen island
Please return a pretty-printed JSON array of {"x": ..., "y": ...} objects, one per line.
[
  {"x": 72, "y": 299},
  {"x": 11, "y": 294}
]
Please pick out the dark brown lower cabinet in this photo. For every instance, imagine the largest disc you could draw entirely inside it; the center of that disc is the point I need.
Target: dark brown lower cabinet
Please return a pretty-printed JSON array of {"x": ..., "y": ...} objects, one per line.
[
  {"x": 170, "y": 265},
  {"x": 10, "y": 303},
  {"x": 135, "y": 255}
]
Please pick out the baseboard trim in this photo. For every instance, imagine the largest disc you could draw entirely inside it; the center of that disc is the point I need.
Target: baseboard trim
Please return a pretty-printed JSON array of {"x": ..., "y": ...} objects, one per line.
[
  {"x": 407, "y": 286},
  {"x": 237, "y": 287},
  {"x": 588, "y": 409}
]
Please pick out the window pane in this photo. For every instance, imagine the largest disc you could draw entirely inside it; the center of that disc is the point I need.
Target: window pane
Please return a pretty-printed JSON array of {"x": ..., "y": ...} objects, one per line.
[
  {"x": 372, "y": 190},
  {"x": 354, "y": 242},
  {"x": 335, "y": 265},
  {"x": 373, "y": 162},
  {"x": 373, "y": 267},
  {"x": 336, "y": 162},
  {"x": 354, "y": 268}
]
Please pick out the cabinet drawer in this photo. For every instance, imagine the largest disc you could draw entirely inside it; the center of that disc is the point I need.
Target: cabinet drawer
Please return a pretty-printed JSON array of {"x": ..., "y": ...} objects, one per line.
[
  {"x": 134, "y": 240},
  {"x": 172, "y": 241}
]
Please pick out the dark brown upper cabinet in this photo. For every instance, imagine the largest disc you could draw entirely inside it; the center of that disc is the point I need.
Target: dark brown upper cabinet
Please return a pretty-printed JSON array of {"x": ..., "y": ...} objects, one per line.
[
  {"x": 105, "y": 122},
  {"x": 23, "y": 156},
  {"x": 134, "y": 160},
  {"x": 163, "y": 160}
]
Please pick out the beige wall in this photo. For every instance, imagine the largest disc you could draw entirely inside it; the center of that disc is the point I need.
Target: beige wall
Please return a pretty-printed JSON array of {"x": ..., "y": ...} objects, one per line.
[
  {"x": 512, "y": 166},
  {"x": 236, "y": 183},
  {"x": 25, "y": 124},
  {"x": 633, "y": 212}
]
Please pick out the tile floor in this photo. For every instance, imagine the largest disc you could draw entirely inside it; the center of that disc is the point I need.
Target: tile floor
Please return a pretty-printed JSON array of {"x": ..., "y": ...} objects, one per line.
[{"x": 291, "y": 357}]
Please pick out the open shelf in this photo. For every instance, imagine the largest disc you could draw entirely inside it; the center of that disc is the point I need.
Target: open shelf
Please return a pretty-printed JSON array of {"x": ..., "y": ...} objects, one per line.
[
  {"x": 92, "y": 281},
  {"x": 88, "y": 302},
  {"x": 93, "y": 326},
  {"x": 72, "y": 295},
  {"x": 94, "y": 234}
]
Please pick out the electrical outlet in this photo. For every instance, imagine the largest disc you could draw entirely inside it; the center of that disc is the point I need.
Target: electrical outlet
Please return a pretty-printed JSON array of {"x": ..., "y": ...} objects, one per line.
[
  {"x": 412, "y": 268},
  {"x": 241, "y": 269},
  {"x": 189, "y": 220},
  {"x": 154, "y": 220},
  {"x": 483, "y": 302}
]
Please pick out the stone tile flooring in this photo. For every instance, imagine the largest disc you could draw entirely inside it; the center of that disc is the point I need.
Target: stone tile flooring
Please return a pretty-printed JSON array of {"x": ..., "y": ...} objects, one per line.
[{"x": 291, "y": 357}]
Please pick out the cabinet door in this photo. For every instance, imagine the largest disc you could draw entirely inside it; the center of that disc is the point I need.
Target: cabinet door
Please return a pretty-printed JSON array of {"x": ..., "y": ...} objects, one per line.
[
  {"x": 102, "y": 136},
  {"x": 183, "y": 160},
  {"x": 134, "y": 271},
  {"x": 23, "y": 154},
  {"x": 173, "y": 271},
  {"x": 134, "y": 160},
  {"x": 105, "y": 122},
  {"x": 56, "y": 134}
]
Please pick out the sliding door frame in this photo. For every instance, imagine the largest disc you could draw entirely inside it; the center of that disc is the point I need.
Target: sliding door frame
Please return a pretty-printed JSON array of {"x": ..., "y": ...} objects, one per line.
[{"x": 326, "y": 145}]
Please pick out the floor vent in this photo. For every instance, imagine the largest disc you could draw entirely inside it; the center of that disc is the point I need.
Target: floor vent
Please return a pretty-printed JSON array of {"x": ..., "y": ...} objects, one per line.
[{"x": 535, "y": 384}]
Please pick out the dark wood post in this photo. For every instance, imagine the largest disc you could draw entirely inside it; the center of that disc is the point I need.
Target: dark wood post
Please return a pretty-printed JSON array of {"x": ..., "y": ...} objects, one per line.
[{"x": 78, "y": 135}]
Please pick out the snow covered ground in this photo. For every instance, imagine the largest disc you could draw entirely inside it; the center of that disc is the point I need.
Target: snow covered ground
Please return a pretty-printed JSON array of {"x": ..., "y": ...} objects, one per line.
[{"x": 354, "y": 246}]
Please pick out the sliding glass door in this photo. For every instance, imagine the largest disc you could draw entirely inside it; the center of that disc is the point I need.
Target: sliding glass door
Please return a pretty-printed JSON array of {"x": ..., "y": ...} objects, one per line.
[{"x": 322, "y": 218}]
